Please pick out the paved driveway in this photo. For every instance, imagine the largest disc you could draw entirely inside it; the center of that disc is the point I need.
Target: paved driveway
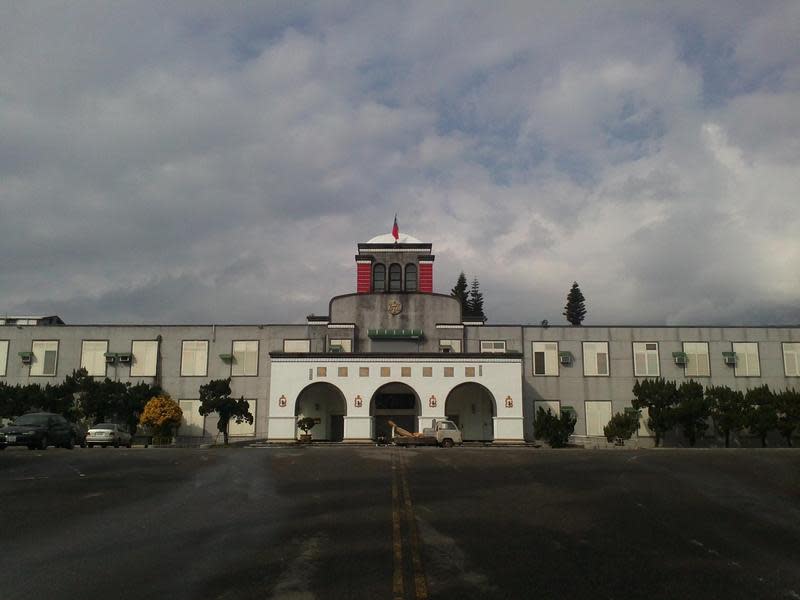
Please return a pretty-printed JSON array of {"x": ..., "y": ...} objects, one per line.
[{"x": 365, "y": 522}]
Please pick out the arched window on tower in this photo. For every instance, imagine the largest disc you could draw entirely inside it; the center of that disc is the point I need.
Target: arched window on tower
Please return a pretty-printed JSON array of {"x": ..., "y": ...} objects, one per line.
[
  {"x": 379, "y": 278},
  {"x": 411, "y": 278},
  {"x": 395, "y": 278}
]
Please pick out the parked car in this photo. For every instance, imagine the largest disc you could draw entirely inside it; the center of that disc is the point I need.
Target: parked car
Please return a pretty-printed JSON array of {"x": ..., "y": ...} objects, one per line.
[
  {"x": 38, "y": 431},
  {"x": 108, "y": 434}
]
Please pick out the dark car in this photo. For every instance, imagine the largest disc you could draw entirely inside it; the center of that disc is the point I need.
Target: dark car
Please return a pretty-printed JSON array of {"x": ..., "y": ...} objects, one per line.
[{"x": 38, "y": 431}]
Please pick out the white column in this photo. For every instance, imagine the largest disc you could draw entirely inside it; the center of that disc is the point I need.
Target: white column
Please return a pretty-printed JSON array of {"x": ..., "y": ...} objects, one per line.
[
  {"x": 281, "y": 429},
  {"x": 358, "y": 428}
]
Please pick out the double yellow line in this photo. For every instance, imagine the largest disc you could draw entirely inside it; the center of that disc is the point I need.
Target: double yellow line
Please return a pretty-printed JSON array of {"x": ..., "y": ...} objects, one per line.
[{"x": 403, "y": 510}]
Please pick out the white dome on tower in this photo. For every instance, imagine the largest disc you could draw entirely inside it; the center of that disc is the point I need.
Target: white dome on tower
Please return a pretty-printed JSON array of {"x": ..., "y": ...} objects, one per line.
[{"x": 388, "y": 238}]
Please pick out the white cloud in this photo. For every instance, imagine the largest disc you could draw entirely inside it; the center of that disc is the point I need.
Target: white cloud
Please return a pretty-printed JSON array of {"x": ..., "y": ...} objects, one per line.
[{"x": 193, "y": 162}]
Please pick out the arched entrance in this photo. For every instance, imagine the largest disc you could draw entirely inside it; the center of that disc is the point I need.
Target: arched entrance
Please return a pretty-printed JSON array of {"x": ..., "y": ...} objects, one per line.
[
  {"x": 324, "y": 403},
  {"x": 471, "y": 406},
  {"x": 396, "y": 402}
]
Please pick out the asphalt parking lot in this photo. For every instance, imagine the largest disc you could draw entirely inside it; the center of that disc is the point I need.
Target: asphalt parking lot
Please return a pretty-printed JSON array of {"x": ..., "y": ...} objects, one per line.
[{"x": 366, "y": 522}]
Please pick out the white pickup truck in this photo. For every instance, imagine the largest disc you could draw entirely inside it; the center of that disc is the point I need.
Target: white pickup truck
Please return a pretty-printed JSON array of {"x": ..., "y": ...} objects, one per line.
[{"x": 443, "y": 432}]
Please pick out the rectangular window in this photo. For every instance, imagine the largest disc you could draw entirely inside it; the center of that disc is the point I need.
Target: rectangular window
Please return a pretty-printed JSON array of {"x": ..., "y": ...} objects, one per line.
[
  {"x": 697, "y": 363},
  {"x": 554, "y": 406},
  {"x": 341, "y": 345},
  {"x": 791, "y": 359},
  {"x": 545, "y": 358},
  {"x": 449, "y": 371},
  {"x": 342, "y": 372},
  {"x": 192, "y": 422},
  {"x": 405, "y": 371},
  {"x": 386, "y": 371},
  {"x": 245, "y": 358},
  {"x": 493, "y": 346},
  {"x": 322, "y": 371},
  {"x": 598, "y": 414},
  {"x": 244, "y": 428},
  {"x": 145, "y": 355},
  {"x": 296, "y": 345},
  {"x": 45, "y": 358},
  {"x": 93, "y": 357},
  {"x": 595, "y": 359},
  {"x": 194, "y": 358},
  {"x": 363, "y": 371},
  {"x": 645, "y": 359},
  {"x": 746, "y": 359},
  {"x": 469, "y": 371},
  {"x": 427, "y": 371},
  {"x": 3, "y": 357},
  {"x": 450, "y": 345}
]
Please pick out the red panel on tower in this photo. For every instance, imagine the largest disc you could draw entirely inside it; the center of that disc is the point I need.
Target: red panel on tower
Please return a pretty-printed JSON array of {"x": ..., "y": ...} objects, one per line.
[
  {"x": 364, "y": 279},
  {"x": 426, "y": 278}
]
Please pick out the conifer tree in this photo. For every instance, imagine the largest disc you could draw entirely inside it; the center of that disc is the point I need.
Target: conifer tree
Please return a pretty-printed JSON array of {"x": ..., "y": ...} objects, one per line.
[
  {"x": 475, "y": 301},
  {"x": 460, "y": 292},
  {"x": 575, "y": 309}
]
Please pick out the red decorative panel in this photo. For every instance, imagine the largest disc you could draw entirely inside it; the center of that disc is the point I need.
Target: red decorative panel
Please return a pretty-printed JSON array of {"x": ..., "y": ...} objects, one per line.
[
  {"x": 426, "y": 278},
  {"x": 364, "y": 280}
]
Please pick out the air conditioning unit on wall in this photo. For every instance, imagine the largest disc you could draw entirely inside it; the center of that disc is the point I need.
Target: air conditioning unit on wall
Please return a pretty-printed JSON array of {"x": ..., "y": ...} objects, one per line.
[
  {"x": 680, "y": 358},
  {"x": 729, "y": 358},
  {"x": 565, "y": 358}
]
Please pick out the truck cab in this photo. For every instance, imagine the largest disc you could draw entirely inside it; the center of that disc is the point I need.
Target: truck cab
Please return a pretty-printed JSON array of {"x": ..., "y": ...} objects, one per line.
[{"x": 445, "y": 431}]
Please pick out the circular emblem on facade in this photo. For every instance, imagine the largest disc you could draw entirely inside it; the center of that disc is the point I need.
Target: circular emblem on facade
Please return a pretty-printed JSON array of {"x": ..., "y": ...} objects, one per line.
[{"x": 395, "y": 308}]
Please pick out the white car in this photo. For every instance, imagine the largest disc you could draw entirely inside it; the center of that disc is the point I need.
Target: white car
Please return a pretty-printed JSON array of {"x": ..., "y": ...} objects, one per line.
[{"x": 108, "y": 434}]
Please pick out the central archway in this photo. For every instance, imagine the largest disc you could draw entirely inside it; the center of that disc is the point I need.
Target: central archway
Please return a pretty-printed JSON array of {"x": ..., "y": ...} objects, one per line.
[
  {"x": 396, "y": 402},
  {"x": 472, "y": 407},
  {"x": 324, "y": 403}
]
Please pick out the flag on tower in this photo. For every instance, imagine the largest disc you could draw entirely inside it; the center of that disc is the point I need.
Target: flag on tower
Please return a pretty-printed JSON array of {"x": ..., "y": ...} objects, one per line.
[{"x": 395, "y": 229}]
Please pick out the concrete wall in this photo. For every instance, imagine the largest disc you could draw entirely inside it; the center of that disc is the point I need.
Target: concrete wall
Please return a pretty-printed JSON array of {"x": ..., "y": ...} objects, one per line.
[
  {"x": 120, "y": 337},
  {"x": 572, "y": 388},
  {"x": 292, "y": 375},
  {"x": 421, "y": 311}
]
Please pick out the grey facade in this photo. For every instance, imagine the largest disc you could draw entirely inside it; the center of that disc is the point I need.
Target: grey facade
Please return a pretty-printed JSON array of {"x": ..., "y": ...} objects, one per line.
[
  {"x": 591, "y": 369},
  {"x": 569, "y": 387}
]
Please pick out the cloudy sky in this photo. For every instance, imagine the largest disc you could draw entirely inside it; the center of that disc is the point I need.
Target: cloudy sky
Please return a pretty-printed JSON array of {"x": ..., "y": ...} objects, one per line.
[{"x": 218, "y": 161}]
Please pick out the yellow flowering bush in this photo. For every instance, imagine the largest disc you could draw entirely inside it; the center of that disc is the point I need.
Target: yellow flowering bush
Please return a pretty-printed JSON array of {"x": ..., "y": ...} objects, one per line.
[{"x": 162, "y": 414}]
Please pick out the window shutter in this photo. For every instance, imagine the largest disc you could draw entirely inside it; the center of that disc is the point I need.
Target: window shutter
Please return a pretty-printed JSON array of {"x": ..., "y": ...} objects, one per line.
[
  {"x": 602, "y": 363},
  {"x": 538, "y": 363},
  {"x": 49, "y": 362},
  {"x": 640, "y": 363},
  {"x": 3, "y": 357}
]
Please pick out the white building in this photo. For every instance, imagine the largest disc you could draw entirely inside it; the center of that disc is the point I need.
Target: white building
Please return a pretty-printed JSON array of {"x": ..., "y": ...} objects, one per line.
[{"x": 395, "y": 349}]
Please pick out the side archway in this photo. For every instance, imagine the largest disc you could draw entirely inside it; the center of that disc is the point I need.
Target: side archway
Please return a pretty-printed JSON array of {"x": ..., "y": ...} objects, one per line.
[
  {"x": 396, "y": 402},
  {"x": 472, "y": 407},
  {"x": 325, "y": 403}
]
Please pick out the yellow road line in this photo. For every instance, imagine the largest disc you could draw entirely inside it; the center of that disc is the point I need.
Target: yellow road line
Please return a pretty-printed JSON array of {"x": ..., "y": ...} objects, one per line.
[
  {"x": 420, "y": 583},
  {"x": 397, "y": 540}
]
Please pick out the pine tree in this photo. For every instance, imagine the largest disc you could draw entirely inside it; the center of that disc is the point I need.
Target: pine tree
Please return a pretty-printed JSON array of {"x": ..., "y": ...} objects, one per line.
[
  {"x": 460, "y": 292},
  {"x": 475, "y": 301},
  {"x": 575, "y": 309}
]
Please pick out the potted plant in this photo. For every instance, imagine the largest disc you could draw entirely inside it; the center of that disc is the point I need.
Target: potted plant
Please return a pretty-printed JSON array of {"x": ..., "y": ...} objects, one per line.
[{"x": 306, "y": 424}]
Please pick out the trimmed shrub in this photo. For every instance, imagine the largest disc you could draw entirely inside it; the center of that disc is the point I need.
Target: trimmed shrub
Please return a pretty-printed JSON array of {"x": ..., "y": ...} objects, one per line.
[
  {"x": 555, "y": 430},
  {"x": 621, "y": 427}
]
